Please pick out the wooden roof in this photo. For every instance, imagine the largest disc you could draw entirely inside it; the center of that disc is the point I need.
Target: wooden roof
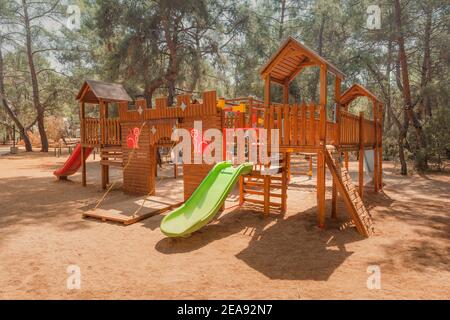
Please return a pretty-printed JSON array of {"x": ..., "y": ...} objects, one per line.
[
  {"x": 356, "y": 91},
  {"x": 291, "y": 58},
  {"x": 92, "y": 91}
]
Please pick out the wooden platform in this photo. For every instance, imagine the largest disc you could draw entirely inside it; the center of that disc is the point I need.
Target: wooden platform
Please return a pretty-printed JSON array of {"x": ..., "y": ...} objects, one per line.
[{"x": 130, "y": 211}]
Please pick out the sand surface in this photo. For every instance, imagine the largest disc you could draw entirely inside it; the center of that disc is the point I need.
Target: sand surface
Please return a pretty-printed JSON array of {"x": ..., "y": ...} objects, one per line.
[{"x": 239, "y": 255}]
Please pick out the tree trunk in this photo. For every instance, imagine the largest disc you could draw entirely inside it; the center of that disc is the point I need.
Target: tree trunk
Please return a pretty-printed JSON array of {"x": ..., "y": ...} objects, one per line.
[
  {"x": 283, "y": 12},
  {"x": 388, "y": 87},
  {"x": 420, "y": 154},
  {"x": 425, "y": 103},
  {"x": 34, "y": 82},
  {"x": 173, "y": 66},
  {"x": 315, "y": 81},
  {"x": 8, "y": 109}
]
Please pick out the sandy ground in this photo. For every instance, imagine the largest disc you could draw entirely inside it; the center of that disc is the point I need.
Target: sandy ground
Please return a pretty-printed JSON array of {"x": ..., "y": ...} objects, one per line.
[{"x": 239, "y": 255}]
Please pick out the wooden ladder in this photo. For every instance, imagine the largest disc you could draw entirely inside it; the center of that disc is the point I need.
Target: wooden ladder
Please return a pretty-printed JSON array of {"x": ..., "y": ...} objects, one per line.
[
  {"x": 360, "y": 215},
  {"x": 268, "y": 190}
]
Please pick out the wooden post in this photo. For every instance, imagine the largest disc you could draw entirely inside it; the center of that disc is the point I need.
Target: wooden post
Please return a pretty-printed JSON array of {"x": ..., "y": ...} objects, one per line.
[
  {"x": 82, "y": 136},
  {"x": 375, "y": 151},
  {"x": 284, "y": 182},
  {"x": 268, "y": 120},
  {"x": 337, "y": 98},
  {"x": 346, "y": 152},
  {"x": 266, "y": 195},
  {"x": 361, "y": 155},
  {"x": 337, "y": 142},
  {"x": 83, "y": 167},
  {"x": 250, "y": 111},
  {"x": 310, "y": 172},
  {"x": 267, "y": 91},
  {"x": 380, "y": 141},
  {"x": 321, "y": 176},
  {"x": 321, "y": 188},
  {"x": 241, "y": 190},
  {"x": 286, "y": 93},
  {"x": 288, "y": 166}
]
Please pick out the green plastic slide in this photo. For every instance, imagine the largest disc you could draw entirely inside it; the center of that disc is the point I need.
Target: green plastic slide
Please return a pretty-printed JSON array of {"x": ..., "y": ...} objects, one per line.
[{"x": 205, "y": 202}]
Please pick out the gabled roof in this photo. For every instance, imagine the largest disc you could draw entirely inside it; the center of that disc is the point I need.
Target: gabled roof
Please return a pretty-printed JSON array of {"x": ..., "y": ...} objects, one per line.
[
  {"x": 291, "y": 58},
  {"x": 92, "y": 91},
  {"x": 356, "y": 91}
]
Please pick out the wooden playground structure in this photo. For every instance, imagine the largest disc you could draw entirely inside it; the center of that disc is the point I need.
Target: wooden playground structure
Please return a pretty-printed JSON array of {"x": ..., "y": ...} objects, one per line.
[{"x": 327, "y": 134}]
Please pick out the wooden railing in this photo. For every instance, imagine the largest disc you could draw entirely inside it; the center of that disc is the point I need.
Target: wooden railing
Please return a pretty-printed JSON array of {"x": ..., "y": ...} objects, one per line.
[
  {"x": 184, "y": 106},
  {"x": 354, "y": 128},
  {"x": 111, "y": 134},
  {"x": 308, "y": 126},
  {"x": 299, "y": 125},
  {"x": 101, "y": 131},
  {"x": 349, "y": 129},
  {"x": 91, "y": 135}
]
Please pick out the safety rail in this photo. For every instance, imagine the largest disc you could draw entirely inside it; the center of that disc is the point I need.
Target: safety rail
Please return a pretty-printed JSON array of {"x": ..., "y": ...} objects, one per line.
[
  {"x": 91, "y": 134},
  {"x": 101, "y": 131}
]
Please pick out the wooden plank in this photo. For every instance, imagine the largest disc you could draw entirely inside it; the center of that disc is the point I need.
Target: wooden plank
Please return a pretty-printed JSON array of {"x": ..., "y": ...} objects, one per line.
[
  {"x": 321, "y": 209},
  {"x": 312, "y": 125},
  {"x": 125, "y": 211},
  {"x": 286, "y": 125},
  {"x": 294, "y": 124},
  {"x": 361, "y": 155},
  {"x": 261, "y": 202}
]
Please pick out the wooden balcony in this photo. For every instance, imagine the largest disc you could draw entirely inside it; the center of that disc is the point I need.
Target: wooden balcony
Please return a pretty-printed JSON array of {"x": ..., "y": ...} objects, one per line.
[
  {"x": 305, "y": 128},
  {"x": 101, "y": 132}
]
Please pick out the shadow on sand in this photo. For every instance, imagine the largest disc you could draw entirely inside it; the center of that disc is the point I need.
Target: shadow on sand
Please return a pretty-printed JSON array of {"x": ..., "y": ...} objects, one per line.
[{"x": 289, "y": 248}]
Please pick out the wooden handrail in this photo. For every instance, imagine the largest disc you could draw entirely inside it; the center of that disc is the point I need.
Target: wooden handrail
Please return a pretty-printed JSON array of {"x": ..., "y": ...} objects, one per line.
[{"x": 102, "y": 131}]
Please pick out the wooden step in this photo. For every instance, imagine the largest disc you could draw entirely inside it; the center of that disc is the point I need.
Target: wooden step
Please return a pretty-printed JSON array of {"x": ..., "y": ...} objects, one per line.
[
  {"x": 261, "y": 202},
  {"x": 111, "y": 163},
  {"x": 111, "y": 149}
]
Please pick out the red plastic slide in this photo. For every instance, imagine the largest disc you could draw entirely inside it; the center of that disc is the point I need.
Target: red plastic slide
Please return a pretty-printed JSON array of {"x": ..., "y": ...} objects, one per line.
[{"x": 72, "y": 164}]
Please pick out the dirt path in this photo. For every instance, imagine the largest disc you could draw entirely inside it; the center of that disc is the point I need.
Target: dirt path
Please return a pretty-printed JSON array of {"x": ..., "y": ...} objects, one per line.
[{"x": 240, "y": 255}]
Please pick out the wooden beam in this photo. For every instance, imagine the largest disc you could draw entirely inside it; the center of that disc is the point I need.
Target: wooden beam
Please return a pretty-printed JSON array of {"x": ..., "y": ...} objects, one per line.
[
  {"x": 286, "y": 93},
  {"x": 380, "y": 149},
  {"x": 323, "y": 85},
  {"x": 299, "y": 68},
  {"x": 82, "y": 136},
  {"x": 361, "y": 155},
  {"x": 337, "y": 99},
  {"x": 277, "y": 81},
  {"x": 267, "y": 91},
  {"x": 375, "y": 151},
  {"x": 321, "y": 189},
  {"x": 83, "y": 167},
  {"x": 266, "y": 195},
  {"x": 337, "y": 135}
]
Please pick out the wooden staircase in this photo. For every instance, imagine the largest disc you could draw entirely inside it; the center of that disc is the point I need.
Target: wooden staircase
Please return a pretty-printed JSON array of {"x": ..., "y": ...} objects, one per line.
[{"x": 360, "y": 215}]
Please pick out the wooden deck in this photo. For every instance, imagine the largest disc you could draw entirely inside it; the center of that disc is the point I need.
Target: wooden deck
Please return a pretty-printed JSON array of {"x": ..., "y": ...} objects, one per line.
[{"x": 131, "y": 209}]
